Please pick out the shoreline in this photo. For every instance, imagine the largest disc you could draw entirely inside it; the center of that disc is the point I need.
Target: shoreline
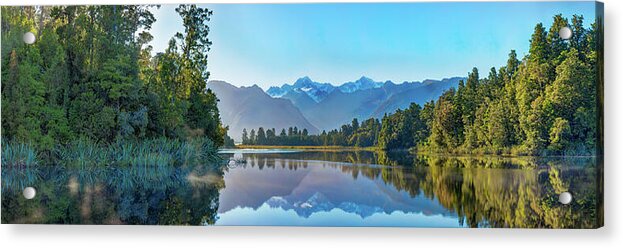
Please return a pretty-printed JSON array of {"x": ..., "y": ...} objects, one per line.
[
  {"x": 376, "y": 149},
  {"x": 315, "y": 148}
]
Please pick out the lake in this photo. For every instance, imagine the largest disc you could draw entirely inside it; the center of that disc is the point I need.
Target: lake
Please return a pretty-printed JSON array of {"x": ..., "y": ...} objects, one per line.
[{"x": 316, "y": 188}]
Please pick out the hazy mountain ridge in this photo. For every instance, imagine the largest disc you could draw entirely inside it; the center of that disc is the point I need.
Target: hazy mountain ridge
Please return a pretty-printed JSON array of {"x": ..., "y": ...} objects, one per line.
[
  {"x": 251, "y": 107},
  {"x": 428, "y": 90}
]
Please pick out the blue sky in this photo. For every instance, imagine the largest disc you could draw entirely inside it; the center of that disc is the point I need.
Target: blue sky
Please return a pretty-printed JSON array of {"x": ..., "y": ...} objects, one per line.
[{"x": 272, "y": 44}]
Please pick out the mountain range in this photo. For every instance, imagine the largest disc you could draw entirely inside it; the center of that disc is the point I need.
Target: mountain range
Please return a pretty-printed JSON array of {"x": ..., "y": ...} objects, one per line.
[
  {"x": 318, "y": 106},
  {"x": 319, "y": 91},
  {"x": 329, "y": 107}
]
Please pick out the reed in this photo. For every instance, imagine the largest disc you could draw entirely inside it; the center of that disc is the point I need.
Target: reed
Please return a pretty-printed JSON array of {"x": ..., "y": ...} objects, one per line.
[
  {"x": 82, "y": 153},
  {"x": 15, "y": 155},
  {"x": 85, "y": 153},
  {"x": 146, "y": 153}
]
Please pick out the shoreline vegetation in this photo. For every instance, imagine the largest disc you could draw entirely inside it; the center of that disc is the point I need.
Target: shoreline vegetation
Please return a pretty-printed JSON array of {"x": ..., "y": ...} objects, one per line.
[
  {"x": 85, "y": 153},
  {"x": 410, "y": 151},
  {"x": 303, "y": 147}
]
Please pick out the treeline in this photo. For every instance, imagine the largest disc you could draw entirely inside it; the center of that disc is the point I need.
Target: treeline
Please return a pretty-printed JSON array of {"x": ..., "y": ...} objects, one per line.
[
  {"x": 91, "y": 75},
  {"x": 353, "y": 134},
  {"x": 544, "y": 104}
]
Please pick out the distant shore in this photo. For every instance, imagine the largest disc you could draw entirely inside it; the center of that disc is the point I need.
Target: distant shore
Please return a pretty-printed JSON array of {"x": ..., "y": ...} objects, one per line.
[{"x": 319, "y": 148}]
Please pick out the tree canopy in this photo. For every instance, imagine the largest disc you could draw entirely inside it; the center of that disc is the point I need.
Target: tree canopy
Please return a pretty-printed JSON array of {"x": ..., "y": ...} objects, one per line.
[{"x": 91, "y": 74}]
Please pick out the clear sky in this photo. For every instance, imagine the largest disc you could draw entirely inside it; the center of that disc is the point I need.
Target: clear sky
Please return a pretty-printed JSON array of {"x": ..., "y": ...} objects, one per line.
[{"x": 272, "y": 44}]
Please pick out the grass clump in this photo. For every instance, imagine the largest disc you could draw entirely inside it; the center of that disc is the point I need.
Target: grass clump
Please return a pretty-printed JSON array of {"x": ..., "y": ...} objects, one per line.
[
  {"x": 162, "y": 152},
  {"x": 151, "y": 152},
  {"x": 15, "y": 155},
  {"x": 81, "y": 153}
]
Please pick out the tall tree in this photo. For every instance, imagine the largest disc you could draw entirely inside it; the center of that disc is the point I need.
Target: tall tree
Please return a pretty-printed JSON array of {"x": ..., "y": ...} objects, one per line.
[{"x": 245, "y": 137}]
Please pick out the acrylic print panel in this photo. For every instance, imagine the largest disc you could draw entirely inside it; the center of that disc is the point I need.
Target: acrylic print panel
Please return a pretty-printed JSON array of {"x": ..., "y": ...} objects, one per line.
[{"x": 378, "y": 114}]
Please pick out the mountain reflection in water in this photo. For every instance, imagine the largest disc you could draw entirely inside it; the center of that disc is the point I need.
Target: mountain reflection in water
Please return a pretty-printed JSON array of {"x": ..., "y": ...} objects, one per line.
[{"x": 315, "y": 188}]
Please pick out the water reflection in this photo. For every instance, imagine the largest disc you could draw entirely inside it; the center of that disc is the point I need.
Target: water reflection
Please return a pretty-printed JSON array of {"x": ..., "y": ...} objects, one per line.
[
  {"x": 316, "y": 188},
  {"x": 137, "y": 195}
]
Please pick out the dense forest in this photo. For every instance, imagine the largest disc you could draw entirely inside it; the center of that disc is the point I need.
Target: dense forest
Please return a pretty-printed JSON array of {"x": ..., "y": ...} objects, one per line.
[
  {"x": 543, "y": 104},
  {"x": 92, "y": 75}
]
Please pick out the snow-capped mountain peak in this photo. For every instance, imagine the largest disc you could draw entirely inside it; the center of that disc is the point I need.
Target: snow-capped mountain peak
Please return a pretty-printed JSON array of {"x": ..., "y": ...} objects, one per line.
[
  {"x": 315, "y": 90},
  {"x": 319, "y": 91},
  {"x": 362, "y": 83}
]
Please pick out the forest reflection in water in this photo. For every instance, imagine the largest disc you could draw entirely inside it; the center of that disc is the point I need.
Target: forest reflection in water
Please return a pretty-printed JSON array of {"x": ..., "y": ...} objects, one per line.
[{"x": 343, "y": 188}]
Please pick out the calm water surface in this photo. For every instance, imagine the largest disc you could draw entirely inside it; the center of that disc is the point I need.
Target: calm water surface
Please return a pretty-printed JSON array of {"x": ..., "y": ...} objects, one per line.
[{"x": 315, "y": 188}]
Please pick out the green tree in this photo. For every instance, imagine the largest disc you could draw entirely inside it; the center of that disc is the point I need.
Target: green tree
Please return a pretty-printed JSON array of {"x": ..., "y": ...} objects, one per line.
[
  {"x": 539, "y": 49},
  {"x": 261, "y": 136},
  {"x": 556, "y": 44},
  {"x": 559, "y": 134},
  {"x": 282, "y": 135},
  {"x": 578, "y": 38},
  {"x": 22, "y": 96},
  {"x": 252, "y": 137},
  {"x": 446, "y": 131},
  {"x": 245, "y": 137}
]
